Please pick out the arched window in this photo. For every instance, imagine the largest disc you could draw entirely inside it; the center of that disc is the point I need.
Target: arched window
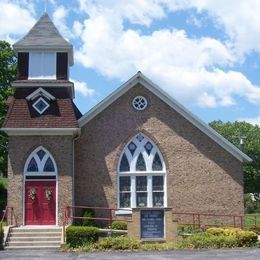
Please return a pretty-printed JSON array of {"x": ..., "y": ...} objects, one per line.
[
  {"x": 141, "y": 175},
  {"x": 39, "y": 163}
]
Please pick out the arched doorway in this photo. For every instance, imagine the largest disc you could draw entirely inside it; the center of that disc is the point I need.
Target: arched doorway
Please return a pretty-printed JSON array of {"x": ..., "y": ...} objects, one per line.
[
  {"x": 141, "y": 175},
  {"x": 40, "y": 201}
]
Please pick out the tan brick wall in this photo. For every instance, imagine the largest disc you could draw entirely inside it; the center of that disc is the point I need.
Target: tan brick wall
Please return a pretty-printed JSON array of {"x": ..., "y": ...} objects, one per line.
[
  {"x": 20, "y": 147},
  {"x": 201, "y": 176}
]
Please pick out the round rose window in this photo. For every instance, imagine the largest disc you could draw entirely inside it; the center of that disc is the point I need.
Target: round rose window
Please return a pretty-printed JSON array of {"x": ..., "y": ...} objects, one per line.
[{"x": 139, "y": 103}]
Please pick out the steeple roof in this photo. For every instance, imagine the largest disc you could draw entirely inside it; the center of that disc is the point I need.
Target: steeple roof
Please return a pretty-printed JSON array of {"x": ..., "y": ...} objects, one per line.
[{"x": 44, "y": 36}]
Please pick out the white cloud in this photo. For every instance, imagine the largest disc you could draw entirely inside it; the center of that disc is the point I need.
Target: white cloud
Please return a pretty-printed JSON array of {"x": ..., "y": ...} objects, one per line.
[
  {"x": 15, "y": 19},
  {"x": 206, "y": 100},
  {"x": 59, "y": 19},
  {"x": 77, "y": 28},
  {"x": 82, "y": 88},
  {"x": 240, "y": 19},
  {"x": 190, "y": 69},
  {"x": 253, "y": 121}
]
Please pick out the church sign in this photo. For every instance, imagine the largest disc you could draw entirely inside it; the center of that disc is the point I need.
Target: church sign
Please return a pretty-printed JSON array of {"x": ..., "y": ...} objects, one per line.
[{"x": 152, "y": 223}]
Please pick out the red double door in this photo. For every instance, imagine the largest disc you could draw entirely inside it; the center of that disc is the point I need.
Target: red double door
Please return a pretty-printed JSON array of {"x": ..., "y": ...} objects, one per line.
[{"x": 40, "y": 203}]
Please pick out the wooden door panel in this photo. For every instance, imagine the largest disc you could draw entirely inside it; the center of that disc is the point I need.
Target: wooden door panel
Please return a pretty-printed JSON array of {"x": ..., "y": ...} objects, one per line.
[{"x": 40, "y": 209}]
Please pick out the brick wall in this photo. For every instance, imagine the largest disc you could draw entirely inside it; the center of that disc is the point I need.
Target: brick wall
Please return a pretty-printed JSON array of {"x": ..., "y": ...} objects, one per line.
[
  {"x": 20, "y": 147},
  {"x": 201, "y": 175}
]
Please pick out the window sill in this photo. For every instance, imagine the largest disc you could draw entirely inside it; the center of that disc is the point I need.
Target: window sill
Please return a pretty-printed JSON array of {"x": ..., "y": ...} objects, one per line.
[{"x": 123, "y": 212}]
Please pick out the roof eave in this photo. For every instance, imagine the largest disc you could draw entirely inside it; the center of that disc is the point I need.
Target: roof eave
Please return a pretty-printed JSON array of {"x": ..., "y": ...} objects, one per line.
[
  {"x": 40, "y": 131},
  {"x": 56, "y": 48},
  {"x": 140, "y": 78}
]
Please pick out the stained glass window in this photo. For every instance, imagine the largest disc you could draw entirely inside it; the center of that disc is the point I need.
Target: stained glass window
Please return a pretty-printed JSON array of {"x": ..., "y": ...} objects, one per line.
[
  {"x": 41, "y": 154},
  {"x": 40, "y": 162},
  {"x": 125, "y": 191},
  {"x": 140, "y": 137},
  {"x": 139, "y": 103},
  {"x": 140, "y": 163},
  {"x": 124, "y": 183},
  {"x": 157, "y": 183},
  {"x": 141, "y": 183},
  {"x": 132, "y": 148},
  {"x": 40, "y": 105},
  {"x": 141, "y": 174},
  {"x": 49, "y": 167},
  {"x": 124, "y": 164},
  {"x": 158, "y": 188},
  {"x": 141, "y": 199},
  {"x": 148, "y": 147},
  {"x": 157, "y": 163},
  {"x": 32, "y": 166}
]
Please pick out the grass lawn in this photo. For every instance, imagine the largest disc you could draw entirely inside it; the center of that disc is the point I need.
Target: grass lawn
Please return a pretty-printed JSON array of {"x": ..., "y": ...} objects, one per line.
[{"x": 250, "y": 219}]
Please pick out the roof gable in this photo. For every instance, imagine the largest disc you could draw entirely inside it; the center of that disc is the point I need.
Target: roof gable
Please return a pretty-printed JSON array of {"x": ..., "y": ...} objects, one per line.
[
  {"x": 40, "y": 92},
  {"x": 155, "y": 89}
]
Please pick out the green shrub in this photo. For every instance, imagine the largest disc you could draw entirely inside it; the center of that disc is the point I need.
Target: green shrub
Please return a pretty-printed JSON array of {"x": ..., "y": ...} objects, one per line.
[
  {"x": 118, "y": 243},
  {"x": 206, "y": 240},
  {"x": 77, "y": 236},
  {"x": 188, "y": 229},
  {"x": 89, "y": 213},
  {"x": 243, "y": 237},
  {"x": 219, "y": 238},
  {"x": 254, "y": 229},
  {"x": 119, "y": 225}
]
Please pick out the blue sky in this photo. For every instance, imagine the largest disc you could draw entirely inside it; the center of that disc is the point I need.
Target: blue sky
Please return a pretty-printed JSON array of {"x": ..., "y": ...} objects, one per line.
[{"x": 203, "y": 53}]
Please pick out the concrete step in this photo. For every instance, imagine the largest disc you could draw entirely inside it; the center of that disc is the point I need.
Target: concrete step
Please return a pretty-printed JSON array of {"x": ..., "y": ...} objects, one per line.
[
  {"x": 35, "y": 230},
  {"x": 31, "y": 247},
  {"x": 34, "y": 238},
  {"x": 29, "y": 239},
  {"x": 33, "y": 243},
  {"x": 34, "y": 234}
]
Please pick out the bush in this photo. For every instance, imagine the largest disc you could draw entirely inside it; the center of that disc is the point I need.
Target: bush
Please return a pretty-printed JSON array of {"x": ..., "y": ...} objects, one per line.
[
  {"x": 77, "y": 236},
  {"x": 206, "y": 240},
  {"x": 254, "y": 229},
  {"x": 89, "y": 213},
  {"x": 119, "y": 225},
  {"x": 182, "y": 229},
  {"x": 243, "y": 237},
  {"x": 118, "y": 243}
]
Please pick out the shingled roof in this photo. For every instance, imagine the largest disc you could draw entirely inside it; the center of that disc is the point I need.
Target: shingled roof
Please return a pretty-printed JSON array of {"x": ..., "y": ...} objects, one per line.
[
  {"x": 62, "y": 112},
  {"x": 44, "y": 35}
]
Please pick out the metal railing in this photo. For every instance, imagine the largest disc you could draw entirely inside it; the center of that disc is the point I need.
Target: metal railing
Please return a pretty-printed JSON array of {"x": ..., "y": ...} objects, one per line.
[
  {"x": 69, "y": 215},
  {"x": 252, "y": 220},
  {"x": 8, "y": 210},
  {"x": 216, "y": 220},
  {"x": 194, "y": 219}
]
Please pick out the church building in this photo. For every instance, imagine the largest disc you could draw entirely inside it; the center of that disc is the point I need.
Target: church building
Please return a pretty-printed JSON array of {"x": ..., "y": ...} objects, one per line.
[{"x": 138, "y": 147}]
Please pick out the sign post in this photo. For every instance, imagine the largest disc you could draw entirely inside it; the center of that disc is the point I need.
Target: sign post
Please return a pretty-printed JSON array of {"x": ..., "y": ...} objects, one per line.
[{"x": 152, "y": 224}]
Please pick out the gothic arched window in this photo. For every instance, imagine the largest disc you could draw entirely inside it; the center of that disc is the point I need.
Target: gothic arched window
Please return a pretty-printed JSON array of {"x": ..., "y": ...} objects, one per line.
[
  {"x": 141, "y": 175},
  {"x": 40, "y": 162}
]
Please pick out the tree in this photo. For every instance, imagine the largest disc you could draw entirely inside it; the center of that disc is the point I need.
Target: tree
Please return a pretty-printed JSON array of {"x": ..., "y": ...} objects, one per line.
[
  {"x": 8, "y": 71},
  {"x": 250, "y": 134}
]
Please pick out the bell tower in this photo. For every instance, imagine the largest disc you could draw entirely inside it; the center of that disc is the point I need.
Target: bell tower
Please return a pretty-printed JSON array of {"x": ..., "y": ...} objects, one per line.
[
  {"x": 43, "y": 53},
  {"x": 41, "y": 117}
]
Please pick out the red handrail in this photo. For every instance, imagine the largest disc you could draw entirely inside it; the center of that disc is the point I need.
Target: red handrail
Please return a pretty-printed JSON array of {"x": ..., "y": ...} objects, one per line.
[
  {"x": 68, "y": 216},
  {"x": 7, "y": 208},
  {"x": 197, "y": 219}
]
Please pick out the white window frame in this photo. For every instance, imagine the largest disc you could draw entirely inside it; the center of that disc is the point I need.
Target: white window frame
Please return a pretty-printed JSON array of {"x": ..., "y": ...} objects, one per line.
[
  {"x": 35, "y": 105},
  {"x": 149, "y": 173},
  {"x": 40, "y": 163},
  {"x": 37, "y": 65}
]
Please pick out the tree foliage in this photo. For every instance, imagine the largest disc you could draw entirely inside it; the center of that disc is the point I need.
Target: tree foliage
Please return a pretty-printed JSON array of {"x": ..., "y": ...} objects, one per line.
[
  {"x": 250, "y": 134},
  {"x": 8, "y": 71}
]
